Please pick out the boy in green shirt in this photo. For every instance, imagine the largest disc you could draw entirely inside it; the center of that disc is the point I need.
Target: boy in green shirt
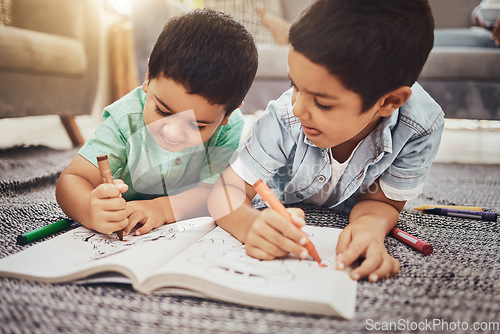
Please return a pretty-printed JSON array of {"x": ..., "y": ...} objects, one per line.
[{"x": 168, "y": 140}]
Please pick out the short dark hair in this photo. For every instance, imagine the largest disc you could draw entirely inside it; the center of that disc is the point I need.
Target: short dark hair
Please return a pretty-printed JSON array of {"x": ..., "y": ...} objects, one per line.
[
  {"x": 371, "y": 46},
  {"x": 209, "y": 53}
]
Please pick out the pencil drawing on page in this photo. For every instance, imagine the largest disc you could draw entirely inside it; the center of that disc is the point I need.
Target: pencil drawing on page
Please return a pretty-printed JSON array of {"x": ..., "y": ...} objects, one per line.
[
  {"x": 226, "y": 258},
  {"x": 107, "y": 245}
]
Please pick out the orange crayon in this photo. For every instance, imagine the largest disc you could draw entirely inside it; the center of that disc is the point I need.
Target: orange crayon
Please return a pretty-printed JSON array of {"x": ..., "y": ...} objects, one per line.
[
  {"x": 107, "y": 177},
  {"x": 267, "y": 195}
]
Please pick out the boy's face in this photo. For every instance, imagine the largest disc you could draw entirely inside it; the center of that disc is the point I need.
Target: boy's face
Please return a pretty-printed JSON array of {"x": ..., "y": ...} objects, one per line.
[
  {"x": 329, "y": 113},
  {"x": 177, "y": 119}
]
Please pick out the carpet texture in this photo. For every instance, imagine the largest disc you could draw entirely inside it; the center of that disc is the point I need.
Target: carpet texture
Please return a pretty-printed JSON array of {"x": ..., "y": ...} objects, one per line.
[{"x": 455, "y": 289}]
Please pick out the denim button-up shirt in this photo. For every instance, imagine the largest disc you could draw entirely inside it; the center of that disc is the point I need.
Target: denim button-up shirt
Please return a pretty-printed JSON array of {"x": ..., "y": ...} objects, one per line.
[{"x": 399, "y": 152}]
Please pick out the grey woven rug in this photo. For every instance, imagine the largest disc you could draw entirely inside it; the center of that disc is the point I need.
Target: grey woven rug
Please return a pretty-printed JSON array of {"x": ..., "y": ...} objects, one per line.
[{"x": 456, "y": 289}]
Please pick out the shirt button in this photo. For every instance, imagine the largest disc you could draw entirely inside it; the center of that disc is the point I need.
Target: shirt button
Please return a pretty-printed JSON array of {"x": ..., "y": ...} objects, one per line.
[
  {"x": 178, "y": 161},
  {"x": 321, "y": 178},
  {"x": 299, "y": 196}
]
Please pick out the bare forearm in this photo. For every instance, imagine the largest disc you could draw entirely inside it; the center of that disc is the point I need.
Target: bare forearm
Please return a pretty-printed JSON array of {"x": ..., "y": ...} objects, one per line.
[
  {"x": 232, "y": 210},
  {"x": 188, "y": 204},
  {"x": 375, "y": 212},
  {"x": 72, "y": 194},
  {"x": 239, "y": 221}
]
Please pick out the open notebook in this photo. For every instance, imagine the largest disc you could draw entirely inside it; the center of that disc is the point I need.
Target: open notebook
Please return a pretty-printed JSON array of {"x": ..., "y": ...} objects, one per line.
[{"x": 196, "y": 258}]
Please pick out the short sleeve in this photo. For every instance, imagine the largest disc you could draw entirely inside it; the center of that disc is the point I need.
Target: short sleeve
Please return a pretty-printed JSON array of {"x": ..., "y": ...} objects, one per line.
[
  {"x": 221, "y": 147},
  {"x": 270, "y": 143},
  {"x": 109, "y": 140},
  {"x": 404, "y": 179}
]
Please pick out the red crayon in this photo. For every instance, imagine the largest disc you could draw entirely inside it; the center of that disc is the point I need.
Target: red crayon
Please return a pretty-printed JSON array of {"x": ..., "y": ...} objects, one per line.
[{"x": 410, "y": 240}]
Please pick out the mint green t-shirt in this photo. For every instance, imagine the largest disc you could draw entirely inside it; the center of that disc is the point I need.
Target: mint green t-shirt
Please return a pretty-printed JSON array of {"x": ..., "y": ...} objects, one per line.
[{"x": 147, "y": 169}]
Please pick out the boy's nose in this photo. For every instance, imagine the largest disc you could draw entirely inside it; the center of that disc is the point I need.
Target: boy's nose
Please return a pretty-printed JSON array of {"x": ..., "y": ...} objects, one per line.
[
  {"x": 173, "y": 131},
  {"x": 298, "y": 108}
]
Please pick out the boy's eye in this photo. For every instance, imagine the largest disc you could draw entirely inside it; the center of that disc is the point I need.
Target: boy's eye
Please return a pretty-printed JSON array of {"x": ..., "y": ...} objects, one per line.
[
  {"x": 165, "y": 114},
  {"x": 197, "y": 127},
  {"x": 320, "y": 106}
]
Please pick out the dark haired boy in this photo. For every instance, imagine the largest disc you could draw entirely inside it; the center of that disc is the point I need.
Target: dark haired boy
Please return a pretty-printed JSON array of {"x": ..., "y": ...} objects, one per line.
[
  {"x": 168, "y": 140},
  {"x": 354, "y": 133}
]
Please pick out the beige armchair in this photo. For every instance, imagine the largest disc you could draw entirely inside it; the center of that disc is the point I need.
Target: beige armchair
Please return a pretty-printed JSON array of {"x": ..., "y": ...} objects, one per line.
[{"x": 49, "y": 60}]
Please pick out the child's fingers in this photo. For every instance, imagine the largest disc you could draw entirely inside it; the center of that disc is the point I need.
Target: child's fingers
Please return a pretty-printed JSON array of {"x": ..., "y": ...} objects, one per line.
[
  {"x": 114, "y": 216},
  {"x": 134, "y": 219},
  {"x": 389, "y": 267},
  {"x": 122, "y": 187},
  {"x": 280, "y": 232},
  {"x": 112, "y": 226},
  {"x": 113, "y": 204},
  {"x": 272, "y": 250},
  {"x": 258, "y": 253},
  {"x": 396, "y": 265},
  {"x": 106, "y": 190},
  {"x": 283, "y": 226},
  {"x": 368, "y": 266},
  {"x": 146, "y": 228},
  {"x": 349, "y": 255},
  {"x": 297, "y": 216},
  {"x": 266, "y": 238},
  {"x": 344, "y": 241}
]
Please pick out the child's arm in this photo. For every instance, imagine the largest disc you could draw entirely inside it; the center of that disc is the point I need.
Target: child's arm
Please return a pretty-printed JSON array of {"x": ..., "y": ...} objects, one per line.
[
  {"x": 84, "y": 197},
  {"x": 371, "y": 219},
  {"x": 167, "y": 209},
  {"x": 266, "y": 234}
]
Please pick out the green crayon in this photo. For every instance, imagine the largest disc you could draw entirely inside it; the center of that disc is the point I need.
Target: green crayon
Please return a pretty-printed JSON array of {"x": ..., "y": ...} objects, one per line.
[{"x": 43, "y": 231}]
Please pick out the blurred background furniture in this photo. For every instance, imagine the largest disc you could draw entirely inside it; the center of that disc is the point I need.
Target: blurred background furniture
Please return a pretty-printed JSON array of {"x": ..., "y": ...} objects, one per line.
[
  {"x": 462, "y": 72},
  {"x": 148, "y": 19},
  {"x": 464, "y": 78},
  {"x": 49, "y": 60}
]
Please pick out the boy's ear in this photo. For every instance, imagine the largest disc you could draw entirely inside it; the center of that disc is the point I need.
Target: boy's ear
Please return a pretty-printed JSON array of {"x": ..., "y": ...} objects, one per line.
[
  {"x": 393, "y": 100},
  {"x": 226, "y": 118}
]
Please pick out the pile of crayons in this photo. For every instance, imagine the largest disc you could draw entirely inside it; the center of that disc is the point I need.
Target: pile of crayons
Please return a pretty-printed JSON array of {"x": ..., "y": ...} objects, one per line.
[{"x": 471, "y": 212}]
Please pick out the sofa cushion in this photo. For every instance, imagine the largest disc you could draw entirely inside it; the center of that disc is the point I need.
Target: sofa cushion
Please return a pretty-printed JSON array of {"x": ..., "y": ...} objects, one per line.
[
  {"x": 293, "y": 8},
  {"x": 25, "y": 50},
  {"x": 273, "y": 61},
  {"x": 447, "y": 63}
]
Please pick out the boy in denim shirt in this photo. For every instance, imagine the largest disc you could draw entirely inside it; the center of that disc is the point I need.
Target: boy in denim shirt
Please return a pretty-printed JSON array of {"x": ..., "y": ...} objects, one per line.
[
  {"x": 355, "y": 133},
  {"x": 168, "y": 140}
]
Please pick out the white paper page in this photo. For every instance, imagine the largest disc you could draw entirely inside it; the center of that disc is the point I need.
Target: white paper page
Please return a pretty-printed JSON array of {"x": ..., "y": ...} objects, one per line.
[
  {"x": 221, "y": 259},
  {"x": 84, "y": 250}
]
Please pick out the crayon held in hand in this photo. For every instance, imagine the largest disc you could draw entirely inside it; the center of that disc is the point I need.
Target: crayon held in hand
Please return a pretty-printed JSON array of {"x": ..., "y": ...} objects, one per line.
[
  {"x": 107, "y": 177},
  {"x": 267, "y": 195}
]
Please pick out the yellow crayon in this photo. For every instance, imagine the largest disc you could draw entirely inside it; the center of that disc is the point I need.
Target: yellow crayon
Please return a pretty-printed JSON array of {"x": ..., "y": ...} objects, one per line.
[{"x": 471, "y": 208}]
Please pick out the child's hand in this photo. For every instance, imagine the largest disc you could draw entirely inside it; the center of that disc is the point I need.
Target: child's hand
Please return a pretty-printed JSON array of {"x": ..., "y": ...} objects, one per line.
[
  {"x": 149, "y": 213},
  {"x": 365, "y": 239},
  {"x": 271, "y": 235},
  {"x": 107, "y": 207}
]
